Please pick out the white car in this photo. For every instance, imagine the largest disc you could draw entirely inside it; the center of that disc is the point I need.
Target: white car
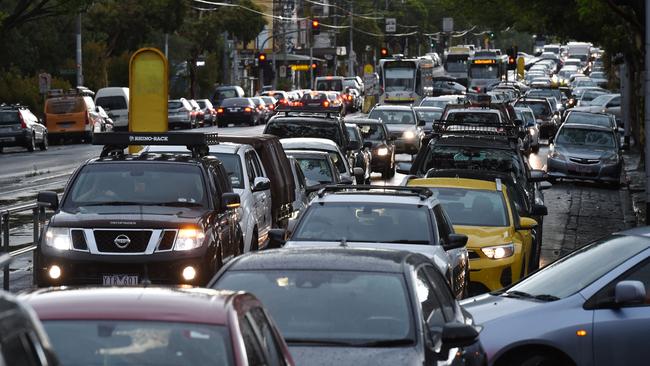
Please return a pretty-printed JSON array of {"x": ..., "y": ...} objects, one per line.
[
  {"x": 249, "y": 180},
  {"x": 608, "y": 103},
  {"x": 347, "y": 174},
  {"x": 115, "y": 101}
]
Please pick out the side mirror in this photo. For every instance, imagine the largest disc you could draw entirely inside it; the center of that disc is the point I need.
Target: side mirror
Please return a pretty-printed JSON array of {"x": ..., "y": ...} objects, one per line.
[
  {"x": 519, "y": 123},
  {"x": 538, "y": 175},
  {"x": 367, "y": 144},
  {"x": 97, "y": 109},
  {"x": 354, "y": 145},
  {"x": 230, "y": 201},
  {"x": 526, "y": 223},
  {"x": 539, "y": 210},
  {"x": 421, "y": 123},
  {"x": 48, "y": 198},
  {"x": 545, "y": 185},
  {"x": 629, "y": 292},
  {"x": 277, "y": 238},
  {"x": 404, "y": 168},
  {"x": 458, "y": 335},
  {"x": 455, "y": 241},
  {"x": 551, "y": 139},
  {"x": 261, "y": 184},
  {"x": 358, "y": 173}
]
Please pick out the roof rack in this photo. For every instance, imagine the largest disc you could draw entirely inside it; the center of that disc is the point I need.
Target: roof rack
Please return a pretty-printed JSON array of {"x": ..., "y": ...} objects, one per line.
[
  {"x": 450, "y": 127},
  {"x": 80, "y": 90},
  {"x": 329, "y": 112},
  {"x": 421, "y": 192},
  {"x": 115, "y": 142},
  {"x": 12, "y": 106}
]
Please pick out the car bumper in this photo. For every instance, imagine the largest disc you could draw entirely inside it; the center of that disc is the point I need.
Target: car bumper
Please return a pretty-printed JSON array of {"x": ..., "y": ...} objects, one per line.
[
  {"x": 83, "y": 268},
  {"x": 492, "y": 274},
  {"x": 600, "y": 172},
  {"x": 18, "y": 138},
  {"x": 179, "y": 122},
  {"x": 379, "y": 163},
  {"x": 234, "y": 118}
]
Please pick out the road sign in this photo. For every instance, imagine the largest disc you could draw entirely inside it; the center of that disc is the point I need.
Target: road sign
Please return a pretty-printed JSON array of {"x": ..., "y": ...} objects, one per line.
[
  {"x": 521, "y": 66},
  {"x": 148, "y": 86},
  {"x": 44, "y": 82},
  {"x": 341, "y": 51},
  {"x": 300, "y": 67},
  {"x": 391, "y": 25},
  {"x": 447, "y": 24},
  {"x": 368, "y": 69},
  {"x": 283, "y": 71}
]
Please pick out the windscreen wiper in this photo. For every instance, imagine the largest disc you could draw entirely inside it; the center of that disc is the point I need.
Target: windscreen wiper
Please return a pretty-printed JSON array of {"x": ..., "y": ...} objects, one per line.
[
  {"x": 406, "y": 241},
  {"x": 175, "y": 204},
  {"x": 521, "y": 294}
]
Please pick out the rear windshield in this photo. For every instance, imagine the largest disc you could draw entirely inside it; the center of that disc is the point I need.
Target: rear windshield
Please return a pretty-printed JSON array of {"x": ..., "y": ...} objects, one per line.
[
  {"x": 112, "y": 102},
  {"x": 333, "y": 85},
  {"x": 316, "y": 170},
  {"x": 9, "y": 117},
  {"x": 236, "y": 102},
  {"x": 227, "y": 93},
  {"x": 477, "y": 118},
  {"x": 65, "y": 105},
  {"x": 473, "y": 207},
  {"x": 372, "y": 132},
  {"x": 287, "y": 129},
  {"x": 540, "y": 109}
]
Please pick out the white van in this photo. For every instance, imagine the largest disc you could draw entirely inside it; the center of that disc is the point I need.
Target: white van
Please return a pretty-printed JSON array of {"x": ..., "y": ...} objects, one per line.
[{"x": 115, "y": 101}]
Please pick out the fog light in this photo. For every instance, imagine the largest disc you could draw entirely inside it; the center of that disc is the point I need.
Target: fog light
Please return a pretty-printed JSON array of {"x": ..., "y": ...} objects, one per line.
[
  {"x": 189, "y": 273},
  {"x": 54, "y": 272}
]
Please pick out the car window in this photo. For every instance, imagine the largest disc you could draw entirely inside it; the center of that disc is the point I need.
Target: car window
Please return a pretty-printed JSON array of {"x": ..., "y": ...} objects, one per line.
[
  {"x": 426, "y": 294},
  {"x": 640, "y": 272},
  {"x": 442, "y": 290},
  {"x": 589, "y": 118},
  {"x": 441, "y": 224},
  {"x": 232, "y": 163},
  {"x": 20, "y": 350},
  {"x": 267, "y": 337},
  {"x": 254, "y": 352},
  {"x": 616, "y": 102},
  {"x": 250, "y": 168},
  {"x": 393, "y": 117}
]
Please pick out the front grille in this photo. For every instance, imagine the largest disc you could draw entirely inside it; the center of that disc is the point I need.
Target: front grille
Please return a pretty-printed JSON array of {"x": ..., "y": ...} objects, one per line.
[
  {"x": 584, "y": 161},
  {"x": 167, "y": 240},
  {"x": 473, "y": 255},
  {"x": 78, "y": 240},
  {"x": 396, "y": 134},
  {"x": 105, "y": 240}
]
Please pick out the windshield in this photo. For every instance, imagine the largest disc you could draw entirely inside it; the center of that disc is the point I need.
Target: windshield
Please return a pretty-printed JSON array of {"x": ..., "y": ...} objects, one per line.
[
  {"x": 428, "y": 102},
  {"x": 474, "y": 118},
  {"x": 287, "y": 129},
  {"x": 589, "y": 118},
  {"x": 456, "y": 63},
  {"x": 142, "y": 343},
  {"x": 64, "y": 105},
  {"x": 372, "y": 132},
  {"x": 583, "y": 136},
  {"x": 330, "y": 85},
  {"x": 232, "y": 163},
  {"x": 473, "y": 207},
  {"x": 484, "y": 71},
  {"x": 366, "y": 222},
  {"x": 429, "y": 116},
  {"x": 236, "y": 102},
  {"x": 330, "y": 307},
  {"x": 573, "y": 273},
  {"x": 600, "y": 100},
  {"x": 137, "y": 184},
  {"x": 316, "y": 170},
  {"x": 463, "y": 157},
  {"x": 393, "y": 117},
  {"x": 399, "y": 79},
  {"x": 541, "y": 110}
]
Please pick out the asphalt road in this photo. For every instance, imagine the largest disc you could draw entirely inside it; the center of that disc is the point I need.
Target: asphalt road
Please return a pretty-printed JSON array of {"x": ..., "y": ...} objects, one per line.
[{"x": 578, "y": 212}]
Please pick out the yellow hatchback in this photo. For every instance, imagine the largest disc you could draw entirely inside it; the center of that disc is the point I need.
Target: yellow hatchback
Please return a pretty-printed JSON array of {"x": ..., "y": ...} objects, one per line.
[{"x": 500, "y": 242}]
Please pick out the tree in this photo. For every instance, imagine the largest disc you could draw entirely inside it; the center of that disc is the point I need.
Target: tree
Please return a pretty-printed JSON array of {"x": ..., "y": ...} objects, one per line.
[{"x": 15, "y": 13}]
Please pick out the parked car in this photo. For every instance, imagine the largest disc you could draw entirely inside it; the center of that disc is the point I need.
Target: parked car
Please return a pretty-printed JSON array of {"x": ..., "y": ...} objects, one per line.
[
  {"x": 401, "y": 218},
  {"x": 587, "y": 308},
  {"x": 209, "y": 112},
  {"x": 157, "y": 325},
  {"x": 225, "y": 92},
  {"x": 70, "y": 115},
  {"x": 115, "y": 100},
  {"x": 179, "y": 113},
  {"x": 383, "y": 148},
  {"x": 197, "y": 113},
  {"x": 20, "y": 127},
  {"x": 358, "y": 307},
  {"x": 238, "y": 111}
]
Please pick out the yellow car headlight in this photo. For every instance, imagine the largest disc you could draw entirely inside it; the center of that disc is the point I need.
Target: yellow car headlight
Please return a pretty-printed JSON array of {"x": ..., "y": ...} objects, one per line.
[{"x": 499, "y": 251}]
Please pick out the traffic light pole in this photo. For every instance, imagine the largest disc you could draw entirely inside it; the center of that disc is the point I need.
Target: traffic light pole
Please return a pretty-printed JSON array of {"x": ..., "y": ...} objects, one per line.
[
  {"x": 350, "y": 60},
  {"x": 311, "y": 60}
]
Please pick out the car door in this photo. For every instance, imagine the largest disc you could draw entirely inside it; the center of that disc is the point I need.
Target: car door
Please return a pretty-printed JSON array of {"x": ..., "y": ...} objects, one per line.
[
  {"x": 223, "y": 218},
  {"x": 620, "y": 334},
  {"x": 433, "y": 315},
  {"x": 262, "y": 199}
]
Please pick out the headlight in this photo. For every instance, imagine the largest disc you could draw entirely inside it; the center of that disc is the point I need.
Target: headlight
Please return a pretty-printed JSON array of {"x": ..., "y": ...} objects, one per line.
[
  {"x": 612, "y": 159},
  {"x": 58, "y": 238},
  {"x": 382, "y": 151},
  {"x": 408, "y": 135},
  {"x": 188, "y": 239},
  {"x": 499, "y": 251},
  {"x": 532, "y": 131},
  {"x": 554, "y": 154}
]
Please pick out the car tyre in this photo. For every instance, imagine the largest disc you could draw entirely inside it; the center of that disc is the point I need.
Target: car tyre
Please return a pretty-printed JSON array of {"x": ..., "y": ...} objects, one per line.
[
  {"x": 31, "y": 144},
  {"x": 45, "y": 143}
]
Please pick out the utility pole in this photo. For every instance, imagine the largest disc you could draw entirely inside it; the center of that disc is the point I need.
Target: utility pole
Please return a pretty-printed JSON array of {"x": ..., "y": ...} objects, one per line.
[
  {"x": 167, "y": 45},
  {"x": 647, "y": 112},
  {"x": 350, "y": 60},
  {"x": 310, "y": 39},
  {"x": 80, "y": 74}
]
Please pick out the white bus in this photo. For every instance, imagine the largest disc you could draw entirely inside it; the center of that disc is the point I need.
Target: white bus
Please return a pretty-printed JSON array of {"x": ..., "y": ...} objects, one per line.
[{"x": 405, "y": 80}]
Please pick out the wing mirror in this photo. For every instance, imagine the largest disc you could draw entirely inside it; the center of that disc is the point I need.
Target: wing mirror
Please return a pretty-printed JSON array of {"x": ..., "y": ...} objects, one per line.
[
  {"x": 261, "y": 184},
  {"x": 359, "y": 174},
  {"x": 404, "y": 168},
  {"x": 49, "y": 199},
  {"x": 421, "y": 123},
  {"x": 526, "y": 223},
  {"x": 539, "y": 210},
  {"x": 277, "y": 238},
  {"x": 367, "y": 144},
  {"x": 230, "y": 201},
  {"x": 456, "y": 335},
  {"x": 354, "y": 145},
  {"x": 537, "y": 175},
  {"x": 629, "y": 292},
  {"x": 519, "y": 123},
  {"x": 455, "y": 241}
]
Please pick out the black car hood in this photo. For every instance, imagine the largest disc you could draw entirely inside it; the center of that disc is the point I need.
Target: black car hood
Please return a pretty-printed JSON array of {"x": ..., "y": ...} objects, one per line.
[
  {"x": 355, "y": 356},
  {"x": 129, "y": 216}
]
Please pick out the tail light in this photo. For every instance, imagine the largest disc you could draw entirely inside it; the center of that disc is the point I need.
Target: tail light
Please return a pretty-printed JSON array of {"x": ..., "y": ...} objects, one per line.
[
  {"x": 271, "y": 107},
  {"x": 284, "y": 101},
  {"x": 87, "y": 118},
  {"x": 22, "y": 121},
  {"x": 220, "y": 110},
  {"x": 297, "y": 104},
  {"x": 248, "y": 109},
  {"x": 326, "y": 104},
  {"x": 349, "y": 97}
]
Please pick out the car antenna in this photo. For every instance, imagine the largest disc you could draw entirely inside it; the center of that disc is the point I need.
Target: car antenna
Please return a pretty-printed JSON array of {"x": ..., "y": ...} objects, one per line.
[{"x": 344, "y": 242}]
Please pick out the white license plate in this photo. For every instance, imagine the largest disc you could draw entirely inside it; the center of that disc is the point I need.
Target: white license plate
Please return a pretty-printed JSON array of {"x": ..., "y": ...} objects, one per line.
[
  {"x": 233, "y": 109},
  {"x": 7, "y": 139},
  {"x": 120, "y": 280}
]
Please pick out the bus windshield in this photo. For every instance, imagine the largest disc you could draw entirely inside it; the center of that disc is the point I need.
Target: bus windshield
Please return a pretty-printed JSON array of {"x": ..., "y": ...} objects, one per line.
[
  {"x": 484, "y": 71},
  {"x": 456, "y": 63},
  {"x": 399, "y": 77}
]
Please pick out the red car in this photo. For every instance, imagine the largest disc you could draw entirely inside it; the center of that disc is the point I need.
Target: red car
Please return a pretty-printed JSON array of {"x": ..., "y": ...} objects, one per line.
[{"x": 158, "y": 326}]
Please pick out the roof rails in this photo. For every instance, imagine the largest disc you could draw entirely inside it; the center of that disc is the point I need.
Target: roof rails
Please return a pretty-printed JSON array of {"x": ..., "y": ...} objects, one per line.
[
  {"x": 421, "y": 192},
  {"x": 329, "y": 112},
  {"x": 12, "y": 106},
  {"x": 80, "y": 90},
  {"x": 458, "y": 128},
  {"x": 115, "y": 142}
]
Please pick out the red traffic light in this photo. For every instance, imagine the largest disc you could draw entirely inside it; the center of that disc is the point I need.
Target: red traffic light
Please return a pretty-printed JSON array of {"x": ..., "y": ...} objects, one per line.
[
  {"x": 261, "y": 57},
  {"x": 313, "y": 66},
  {"x": 315, "y": 23},
  {"x": 383, "y": 51}
]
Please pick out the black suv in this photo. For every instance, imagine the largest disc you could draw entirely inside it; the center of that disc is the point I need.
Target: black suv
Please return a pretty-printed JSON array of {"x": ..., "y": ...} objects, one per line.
[
  {"x": 20, "y": 127},
  {"x": 130, "y": 219}
]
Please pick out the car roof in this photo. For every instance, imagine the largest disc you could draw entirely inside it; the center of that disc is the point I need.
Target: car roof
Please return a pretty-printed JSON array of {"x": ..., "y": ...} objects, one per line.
[
  {"x": 148, "y": 158},
  {"x": 308, "y": 143},
  {"x": 585, "y": 126},
  {"x": 307, "y": 153},
  {"x": 171, "y": 304},
  {"x": 393, "y": 107},
  {"x": 222, "y": 147},
  {"x": 379, "y": 196},
  {"x": 341, "y": 259},
  {"x": 365, "y": 121},
  {"x": 465, "y": 183}
]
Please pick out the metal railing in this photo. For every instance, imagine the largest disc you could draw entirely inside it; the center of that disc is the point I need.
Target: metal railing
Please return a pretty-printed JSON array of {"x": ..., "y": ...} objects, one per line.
[{"x": 38, "y": 214}]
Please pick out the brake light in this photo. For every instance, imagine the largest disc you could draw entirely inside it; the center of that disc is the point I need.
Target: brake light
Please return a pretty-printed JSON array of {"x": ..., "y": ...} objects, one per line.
[
  {"x": 248, "y": 109},
  {"x": 284, "y": 101},
  {"x": 326, "y": 104},
  {"x": 87, "y": 119},
  {"x": 297, "y": 104},
  {"x": 22, "y": 121},
  {"x": 349, "y": 97},
  {"x": 220, "y": 110},
  {"x": 271, "y": 107}
]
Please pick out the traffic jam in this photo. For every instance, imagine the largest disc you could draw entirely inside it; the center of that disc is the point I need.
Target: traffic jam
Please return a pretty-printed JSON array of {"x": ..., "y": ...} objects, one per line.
[{"x": 348, "y": 224}]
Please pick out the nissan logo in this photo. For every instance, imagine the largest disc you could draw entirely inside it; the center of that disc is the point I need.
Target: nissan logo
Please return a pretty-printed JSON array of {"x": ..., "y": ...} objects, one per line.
[{"x": 122, "y": 241}]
